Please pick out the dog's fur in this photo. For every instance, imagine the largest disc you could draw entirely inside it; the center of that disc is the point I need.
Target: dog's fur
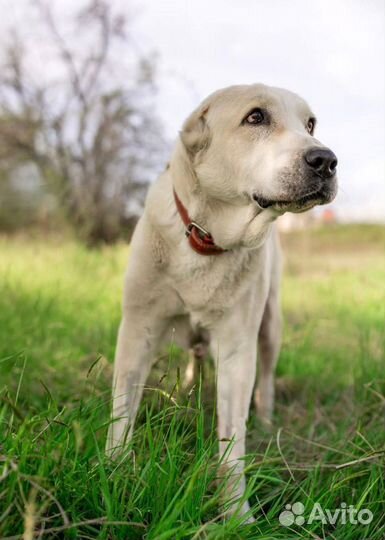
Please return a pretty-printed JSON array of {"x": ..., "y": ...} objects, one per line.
[{"x": 221, "y": 164}]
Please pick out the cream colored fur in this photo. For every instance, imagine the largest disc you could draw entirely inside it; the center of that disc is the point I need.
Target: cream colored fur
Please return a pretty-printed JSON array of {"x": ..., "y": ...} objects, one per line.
[{"x": 217, "y": 165}]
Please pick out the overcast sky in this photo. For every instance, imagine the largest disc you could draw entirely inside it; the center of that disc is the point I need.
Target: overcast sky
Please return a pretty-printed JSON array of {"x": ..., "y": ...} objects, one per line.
[{"x": 330, "y": 52}]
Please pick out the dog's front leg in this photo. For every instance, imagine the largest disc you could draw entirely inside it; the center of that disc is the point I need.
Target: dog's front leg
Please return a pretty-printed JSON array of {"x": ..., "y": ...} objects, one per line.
[
  {"x": 137, "y": 342},
  {"x": 234, "y": 350}
]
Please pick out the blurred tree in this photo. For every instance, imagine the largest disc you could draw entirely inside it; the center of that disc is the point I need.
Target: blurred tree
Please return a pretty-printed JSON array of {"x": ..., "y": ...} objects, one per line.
[{"x": 94, "y": 137}]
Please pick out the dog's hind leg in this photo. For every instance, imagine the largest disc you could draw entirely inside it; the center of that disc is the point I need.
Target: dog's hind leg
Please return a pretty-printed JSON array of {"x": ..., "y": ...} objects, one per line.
[
  {"x": 198, "y": 352},
  {"x": 269, "y": 344}
]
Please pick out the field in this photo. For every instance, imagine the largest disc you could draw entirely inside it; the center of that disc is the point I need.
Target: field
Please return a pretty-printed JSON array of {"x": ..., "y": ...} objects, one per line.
[{"x": 59, "y": 311}]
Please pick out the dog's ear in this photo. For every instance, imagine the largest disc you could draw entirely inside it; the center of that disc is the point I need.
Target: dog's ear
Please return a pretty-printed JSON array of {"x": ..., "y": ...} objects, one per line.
[{"x": 195, "y": 132}]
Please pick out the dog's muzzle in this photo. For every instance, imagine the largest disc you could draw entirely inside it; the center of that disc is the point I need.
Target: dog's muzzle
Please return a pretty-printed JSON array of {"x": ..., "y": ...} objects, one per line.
[{"x": 319, "y": 167}]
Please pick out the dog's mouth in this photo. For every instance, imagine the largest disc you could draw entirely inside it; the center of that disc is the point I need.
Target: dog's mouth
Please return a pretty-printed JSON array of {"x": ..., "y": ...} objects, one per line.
[{"x": 319, "y": 196}]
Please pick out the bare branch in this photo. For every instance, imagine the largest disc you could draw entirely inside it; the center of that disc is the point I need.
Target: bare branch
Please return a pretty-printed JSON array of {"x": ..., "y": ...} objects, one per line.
[{"x": 94, "y": 144}]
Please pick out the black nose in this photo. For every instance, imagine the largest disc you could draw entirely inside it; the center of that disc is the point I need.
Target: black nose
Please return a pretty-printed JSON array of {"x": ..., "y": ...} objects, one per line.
[{"x": 322, "y": 161}]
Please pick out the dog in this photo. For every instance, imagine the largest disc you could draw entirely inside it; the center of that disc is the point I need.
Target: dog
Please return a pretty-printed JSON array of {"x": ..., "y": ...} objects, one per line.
[{"x": 205, "y": 254}]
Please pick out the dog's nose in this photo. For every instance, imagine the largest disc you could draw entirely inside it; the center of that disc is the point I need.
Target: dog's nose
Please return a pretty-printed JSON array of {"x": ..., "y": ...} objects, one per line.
[{"x": 322, "y": 161}]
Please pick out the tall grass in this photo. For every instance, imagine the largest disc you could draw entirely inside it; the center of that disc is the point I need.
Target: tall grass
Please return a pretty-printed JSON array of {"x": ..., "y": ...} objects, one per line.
[{"x": 59, "y": 310}]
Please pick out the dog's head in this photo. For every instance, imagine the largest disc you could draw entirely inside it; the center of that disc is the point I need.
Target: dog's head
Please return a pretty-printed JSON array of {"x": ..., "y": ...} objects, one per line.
[{"x": 256, "y": 143}]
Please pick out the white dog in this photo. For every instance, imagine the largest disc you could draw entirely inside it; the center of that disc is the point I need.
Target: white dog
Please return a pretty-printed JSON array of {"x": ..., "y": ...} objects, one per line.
[{"x": 205, "y": 253}]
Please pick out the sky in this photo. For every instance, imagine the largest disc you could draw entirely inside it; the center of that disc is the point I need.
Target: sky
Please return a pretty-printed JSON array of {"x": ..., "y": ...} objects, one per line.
[{"x": 329, "y": 52}]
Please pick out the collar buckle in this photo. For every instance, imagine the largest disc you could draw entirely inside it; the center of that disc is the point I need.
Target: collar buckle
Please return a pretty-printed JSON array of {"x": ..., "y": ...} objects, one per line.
[
  {"x": 193, "y": 225},
  {"x": 199, "y": 239}
]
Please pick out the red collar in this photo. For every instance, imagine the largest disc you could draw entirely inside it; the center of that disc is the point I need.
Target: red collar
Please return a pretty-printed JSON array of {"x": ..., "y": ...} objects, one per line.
[{"x": 199, "y": 239}]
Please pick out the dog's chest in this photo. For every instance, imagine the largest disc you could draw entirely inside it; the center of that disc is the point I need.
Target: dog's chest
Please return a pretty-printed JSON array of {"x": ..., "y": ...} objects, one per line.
[{"x": 209, "y": 286}]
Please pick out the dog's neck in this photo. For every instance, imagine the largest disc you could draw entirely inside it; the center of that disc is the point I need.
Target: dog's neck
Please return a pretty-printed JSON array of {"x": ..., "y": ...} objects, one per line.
[{"x": 231, "y": 226}]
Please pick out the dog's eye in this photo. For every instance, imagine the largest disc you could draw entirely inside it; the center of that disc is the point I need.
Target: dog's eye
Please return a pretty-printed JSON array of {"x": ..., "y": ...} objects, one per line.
[
  {"x": 256, "y": 116},
  {"x": 310, "y": 125}
]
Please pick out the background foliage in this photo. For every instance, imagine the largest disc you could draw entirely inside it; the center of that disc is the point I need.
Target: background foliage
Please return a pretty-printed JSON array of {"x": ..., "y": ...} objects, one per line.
[{"x": 79, "y": 142}]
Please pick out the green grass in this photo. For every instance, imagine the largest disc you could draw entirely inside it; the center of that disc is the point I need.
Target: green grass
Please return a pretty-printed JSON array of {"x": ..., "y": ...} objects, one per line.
[{"x": 59, "y": 311}]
